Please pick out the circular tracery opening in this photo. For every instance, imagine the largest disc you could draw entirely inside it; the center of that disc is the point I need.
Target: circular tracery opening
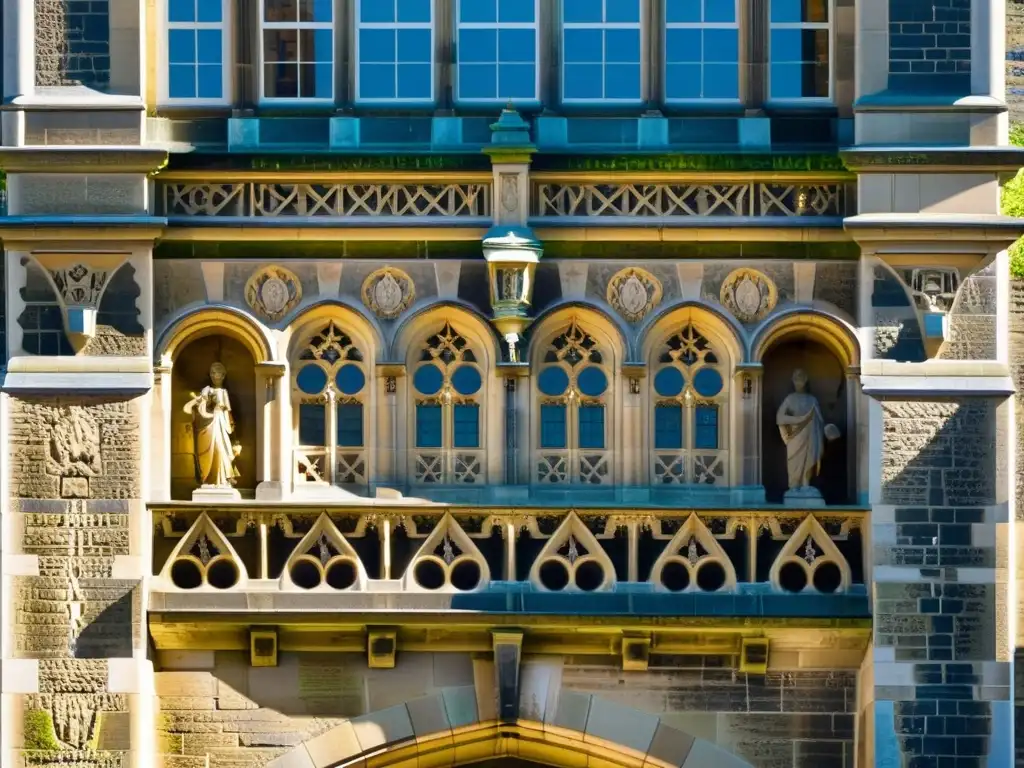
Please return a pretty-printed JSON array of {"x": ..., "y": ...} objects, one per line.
[
  {"x": 589, "y": 576},
  {"x": 827, "y": 577},
  {"x": 711, "y": 576},
  {"x": 675, "y": 576},
  {"x": 305, "y": 574},
  {"x": 186, "y": 574},
  {"x": 465, "y": 575},
  {"x": 341, "y": 574},
  {"x": 429, "y": 574},
  {"x": 792, "y": 577},
  {"x": 222, "y": 574},
  {"x": 554, "y": 575}
]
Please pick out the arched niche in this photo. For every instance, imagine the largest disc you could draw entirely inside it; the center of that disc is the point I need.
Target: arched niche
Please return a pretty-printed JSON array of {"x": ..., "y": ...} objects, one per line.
[
  {"x": 191, "y": 372},
  {"x": 828, "y": 382}
]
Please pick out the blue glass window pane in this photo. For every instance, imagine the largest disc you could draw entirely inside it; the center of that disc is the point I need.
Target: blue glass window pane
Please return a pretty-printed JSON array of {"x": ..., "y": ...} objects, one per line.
[
  {"x": 720, "y": 11},
  {"x": 209, "y": 11},
  {"x": 428, "y": 426},
  {"x": 516, "y": 11},
  {"x": 585, "y": 11},
  {"x": 181, "y": 46},
  {"x": 210, "y": 81},
  {"x": 553, "y": 381},
  {"x": 683, "y": 11},
  {"x": 517, "y": 81},
  {"x": 707, "y": 382},
  {"x": 311, "y": 379},
  {"x": 669, "y": 382},
  {"x": 318, "y": 45},
  {"x": 182, "y": 10},
  {"x": 314, "y": 10},
  {"x": 786, "y": 81},
  {"x": 414, "y": 11},
  {"x": 350, "y": 425},
  {"x": 414, "y": 81},
  {"x": 583, "y": 45},
  {"x": 414, "y": 46},
  {"x": 467, "y": 426},
  {"x": 312, "y": 427},
  {"x": 552, "y": 426},
  {"x": 682, "y": 81},
  {"x": 377, "y": 45},
  {"x": 706, "y": 433},
  {"x": 377, "y": 81},
  {"x": 478, "y": 11},
  {"x": 622, "y": 81},
  {"x": 324, "y": 81},
  {"x": 684, "y": 45},
  {"x": 517, "y": 45},
  {"x": 622, "y": 45},
  {"x": 592, "y": 381},
  {"x": 668, "y": 427},
  {"x": 376, "y": 11},
  {"x": 622, "y": 11},
  {"x": 210, "y": 49},
  {"x": 721, "y": 45},
  {"x": 721, "y": 81},
  {"x": 350, "y": 379},
  {"x": 466, "y": 380},
  {"x": 478, "y": 81},
  {"x": 591, "y": 419},
  {"x": 478, "y": 45},
  {"x": 428, "y": 379},
  {"x": 796, "y": 11},
  {"x": 583, "y": 81},
  {"x": 181, "y": 81}
]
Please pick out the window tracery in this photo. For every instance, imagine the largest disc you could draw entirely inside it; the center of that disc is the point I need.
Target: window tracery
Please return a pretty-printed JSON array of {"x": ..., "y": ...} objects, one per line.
[
  {"x": 330, "y": 395},
  {"x": 447, "y": 387},
  {"x": 688, "y": 416},
  {"x": 573, "y": 386}
]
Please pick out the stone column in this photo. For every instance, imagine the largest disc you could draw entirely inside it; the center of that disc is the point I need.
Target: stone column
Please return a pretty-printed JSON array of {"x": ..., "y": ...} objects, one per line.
[
  {"x": 272, "y": 439},
  {"x": 19, "y": 62},
  {"x": 747, "y": 395}
]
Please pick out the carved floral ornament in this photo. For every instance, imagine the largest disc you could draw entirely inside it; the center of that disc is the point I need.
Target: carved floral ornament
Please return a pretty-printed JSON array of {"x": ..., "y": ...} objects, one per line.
[
  {"x": 388, "y": 292},
  {"x": 749, "y": 295},
  {"x": 634, "y": 293},
  {"x": 273, "y": 292}
]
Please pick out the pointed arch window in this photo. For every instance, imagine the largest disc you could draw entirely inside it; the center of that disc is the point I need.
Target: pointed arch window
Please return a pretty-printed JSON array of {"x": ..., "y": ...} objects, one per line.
[
  {"x": 690, "y": 393},
  {"x": 573, "y": 386},
  {"x": 330, "y": 392},
  {"x": 447, "y": 387}
]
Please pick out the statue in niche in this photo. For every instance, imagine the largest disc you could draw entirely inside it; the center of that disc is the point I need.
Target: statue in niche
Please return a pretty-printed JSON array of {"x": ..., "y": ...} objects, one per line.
[
  {"x": 805, "y": 434},
  {"x": 213, "y": 425}
]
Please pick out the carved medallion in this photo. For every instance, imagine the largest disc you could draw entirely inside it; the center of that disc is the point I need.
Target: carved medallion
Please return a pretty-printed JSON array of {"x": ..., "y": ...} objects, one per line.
[
  {"x": 749, "y": 295},
  {"x": 388, "y": 292},
  {"x": 509, "y": 193},
  {"x": 633, "y": 293},
  {"x": 273, "y": 292}
]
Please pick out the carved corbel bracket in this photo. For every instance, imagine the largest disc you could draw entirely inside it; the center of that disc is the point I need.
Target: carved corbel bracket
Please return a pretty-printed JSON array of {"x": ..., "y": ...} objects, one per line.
[{"x": 79, "y": 280}]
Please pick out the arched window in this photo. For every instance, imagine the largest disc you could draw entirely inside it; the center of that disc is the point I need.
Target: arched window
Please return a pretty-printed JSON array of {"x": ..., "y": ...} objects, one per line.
[
  {"x": 690, "y": 391},
  {"x": 330, "y": 394},
  {"x": 447, "y": 390},
  {"x": 573, "y": 385}
]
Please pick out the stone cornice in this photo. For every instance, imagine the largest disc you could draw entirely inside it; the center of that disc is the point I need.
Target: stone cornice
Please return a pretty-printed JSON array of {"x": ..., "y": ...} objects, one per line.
[
  {"x": 965, "y": 233},
  {"x": 82, "y": 159},
  {"x": 910, "y": 159}
]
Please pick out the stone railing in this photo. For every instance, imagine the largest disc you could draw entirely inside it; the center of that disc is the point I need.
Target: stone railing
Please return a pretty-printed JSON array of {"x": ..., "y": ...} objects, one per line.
[{"x": 428, "y": 548}]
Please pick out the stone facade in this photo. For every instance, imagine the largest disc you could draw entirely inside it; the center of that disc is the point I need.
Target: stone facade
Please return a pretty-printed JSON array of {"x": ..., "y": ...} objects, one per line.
[
  {"x": 73, "y": 43},
  {"x": 930, "y": 45}
]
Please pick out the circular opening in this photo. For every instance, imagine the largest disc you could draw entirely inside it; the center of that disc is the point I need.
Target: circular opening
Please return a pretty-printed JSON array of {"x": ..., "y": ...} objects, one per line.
[
  {"x": 428, "y": 379},
  {"x": 592, "y": 381},
  {"x": 707, "y": 382},
  {"x": 669, "y": 382},
  {"x": 341, "y": 574},
  {"x": 305, "y": 574},
  {"x": 675, "y": 576},
  {"x": 222, "y": 574},
  {"x": 711, "y": 577},
  {"x": 589, "y": 576},
  {"x": 186, "y": 575},
  {"x": 827, "y": 577},
  {"x": 311, "y": 379},
  {"x": 553, "y": 381},
  {"x": 350, "y": 379},
  {"x": 466, "y": 380},
  {"x": 465, "y": 575},
  {"x": 554, "y": 575},
  {"x": 429, "y": 574},
  {"x": 792, "y": 577}
]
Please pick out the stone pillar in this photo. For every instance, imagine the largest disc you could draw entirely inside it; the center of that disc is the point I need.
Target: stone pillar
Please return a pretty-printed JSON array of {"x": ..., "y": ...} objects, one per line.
[
  {"x": 272, "y": 439},
  {"x": 748, "y": 395},
  {"x": 19, "y": 62}
]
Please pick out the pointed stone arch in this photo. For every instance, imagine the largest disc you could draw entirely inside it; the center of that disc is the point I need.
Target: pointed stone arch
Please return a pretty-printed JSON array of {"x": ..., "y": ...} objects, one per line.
[
  {"x": 204, "y": 560},
  {"x": 702, "y": 554},
  {"x": 460, "y": 567},
  {"x": 812, "y": 552},
  {"x": 324, "y": 560},
  {"x": 584, "y": 567},
  {"x": 831, "y": 332}
]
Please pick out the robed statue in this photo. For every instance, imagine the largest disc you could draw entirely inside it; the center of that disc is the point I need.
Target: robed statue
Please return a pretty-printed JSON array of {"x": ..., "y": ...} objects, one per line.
[
  {"x": 214, "y": 425},
  {"x": 805, "y": 433}
]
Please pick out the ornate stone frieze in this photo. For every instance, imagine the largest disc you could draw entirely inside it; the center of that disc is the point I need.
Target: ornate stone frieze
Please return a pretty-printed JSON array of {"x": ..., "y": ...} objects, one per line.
[
  {"x": 273, "y": 292},
  {"x": 750, "y": 295},
  {"x": 634, "y": 293},
  {"x": 388, "y": 292}
]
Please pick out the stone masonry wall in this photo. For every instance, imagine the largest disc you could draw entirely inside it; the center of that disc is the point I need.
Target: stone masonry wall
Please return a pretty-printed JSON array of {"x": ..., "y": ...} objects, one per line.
[
  {"x": 75, "y": 469},
  {"x": 935, "y": 624},
  {"x": 930, "y": 45},
  {"x": 73, "y": 43},
  {"x": 1016, "y": 351}
]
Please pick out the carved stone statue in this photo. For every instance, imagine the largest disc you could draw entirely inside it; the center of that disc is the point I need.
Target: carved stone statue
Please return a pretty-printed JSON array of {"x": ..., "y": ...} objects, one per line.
[
  {"x": 804, "y": 432},
  {"x": 214, "y": 425}
]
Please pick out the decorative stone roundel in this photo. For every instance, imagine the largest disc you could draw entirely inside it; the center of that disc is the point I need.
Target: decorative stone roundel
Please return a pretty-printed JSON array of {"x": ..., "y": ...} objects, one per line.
[
  {"x": 273, "y": 292},
  {"x": 388, "y": 292},
  {"x": 633, "y": 293},
  {"x": 749, "y": 295}
]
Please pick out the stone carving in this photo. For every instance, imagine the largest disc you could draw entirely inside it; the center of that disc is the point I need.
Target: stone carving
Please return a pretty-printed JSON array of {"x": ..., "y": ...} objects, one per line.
[
  {"x": 633, "y": 293},
  {"x": 74, "y": 445},
  {"x": 214, "y": 425},
  {"x": 79, "y": 285},
  {"x": 273, "y": 292},
  {"x": 934, "y": 290},
  {"x": 749, "y": 295},
  {"x": 509, "y": 193},
  {"x": 388, "y": 292},
  {"x": 803, "y": 428}
]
